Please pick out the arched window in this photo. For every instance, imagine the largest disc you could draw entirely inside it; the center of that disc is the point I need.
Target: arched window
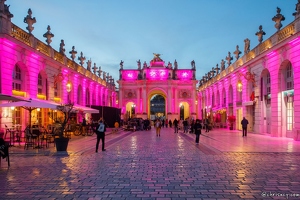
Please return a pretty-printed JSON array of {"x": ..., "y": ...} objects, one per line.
[
  {"x": 268, "y": 89},
  {"x": 224, "y": 98},
  {"x": 17, "y": 79},
  {"x": 218, "y": 98},
  {"x": 289, "y": 77},
  {"x": 213, "y": 100},
  {"x": 103, "y": 100},
  {"x": 230, "y": 94}
]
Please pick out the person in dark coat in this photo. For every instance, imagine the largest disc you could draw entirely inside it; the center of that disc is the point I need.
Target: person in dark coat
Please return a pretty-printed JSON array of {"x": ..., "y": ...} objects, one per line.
[
  {"x": 244, "y": 123},
  {"x": 175, "y": 123},
  {"x": 197, "y": 129},
  {"x": 100, "y": 131},
  {"x": 170, "y": 123}
]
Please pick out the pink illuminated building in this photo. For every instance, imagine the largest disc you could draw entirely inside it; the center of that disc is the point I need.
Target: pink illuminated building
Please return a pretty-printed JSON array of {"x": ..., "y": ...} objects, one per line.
[
  {"x": 263, "y": 86},
  {"x": 32, "y": 69},
  {"x": 176, "y": 86}
]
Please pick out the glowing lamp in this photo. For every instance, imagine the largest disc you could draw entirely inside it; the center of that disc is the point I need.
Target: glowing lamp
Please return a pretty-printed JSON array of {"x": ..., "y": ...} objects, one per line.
[
  {"x": 12, "y": 108},
  {"x": 69, "y": 86},
  {"x": 239, "y": 86},
  {"x": 38, "y": 109}
]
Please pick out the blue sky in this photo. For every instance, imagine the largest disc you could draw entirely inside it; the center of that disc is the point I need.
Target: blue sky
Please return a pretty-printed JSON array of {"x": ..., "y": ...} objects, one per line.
[{"x": 108, "y": 31}]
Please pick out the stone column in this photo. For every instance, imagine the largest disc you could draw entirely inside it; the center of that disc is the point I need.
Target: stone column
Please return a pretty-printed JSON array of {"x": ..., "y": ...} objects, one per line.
[
  {"x": 138, "y": 101},
  {"x": 144, "y": 99},
  {"x": 169, "y": 99}
]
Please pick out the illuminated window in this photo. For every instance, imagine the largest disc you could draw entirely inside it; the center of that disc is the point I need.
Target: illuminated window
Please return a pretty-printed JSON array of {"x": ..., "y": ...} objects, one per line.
[
  {"x": 79, "y": 95},
  {"x": 289, "y": 77},
  {"x": 40, "y": 84},
  {"x": 17, "y": 79}
]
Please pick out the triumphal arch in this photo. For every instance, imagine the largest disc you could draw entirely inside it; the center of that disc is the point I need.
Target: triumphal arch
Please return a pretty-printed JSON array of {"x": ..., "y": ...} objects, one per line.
[{"x": 156, "y": 89}]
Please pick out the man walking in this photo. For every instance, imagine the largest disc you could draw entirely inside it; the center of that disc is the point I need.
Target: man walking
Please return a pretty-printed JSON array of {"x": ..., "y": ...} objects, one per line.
[
  {"x": 244, "y": 123},
  {"x": 197, "y": 127},
  {"x": 100, "y": 131}
]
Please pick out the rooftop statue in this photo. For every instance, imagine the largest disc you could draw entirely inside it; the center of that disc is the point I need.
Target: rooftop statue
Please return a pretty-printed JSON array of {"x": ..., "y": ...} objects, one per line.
[
  {"x": 121, "y": 64},
  {"x": 48, "y": 35},
  {"x": 229, "y": 59},
  {"x": 144, "y": 65},
  {"x": 260, "y": 34},
  {"x": 139, "y": 64},
  {"x": 61, "y": 47},
  {"x": 99, "y": 72},
  {"x": 222, "y": 65},
  {"x": 297, "y": 13},
  {"x": 277, "y": 19},
  {"x": 81, "y": 58},
  {"x": 237, "y": 52},
  {"x": 89, "y": 65},
  {"x": 247, "y": 46},
  {"x": 156, "y": 57},
  {"x": 30, "y": 21},
  {"x": 95, "y": 68},
  {"x": 175, "y": 64},
  {"x": 73, "y": 53},
  {"x": 193, "y": 64}
]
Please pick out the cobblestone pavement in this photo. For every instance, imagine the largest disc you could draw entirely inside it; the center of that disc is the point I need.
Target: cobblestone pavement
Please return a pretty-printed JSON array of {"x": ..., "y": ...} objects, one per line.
[{"x": 139, "y": 165}]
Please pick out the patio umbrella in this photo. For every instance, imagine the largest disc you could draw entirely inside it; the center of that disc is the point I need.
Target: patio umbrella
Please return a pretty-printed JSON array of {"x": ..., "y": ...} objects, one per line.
[
  {"x": 5, "y": 97},
  {"x": 31, "y": 105}
]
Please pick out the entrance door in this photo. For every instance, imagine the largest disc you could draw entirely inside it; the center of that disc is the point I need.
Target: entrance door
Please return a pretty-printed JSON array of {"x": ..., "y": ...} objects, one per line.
[{"x": 239, "y": 117}]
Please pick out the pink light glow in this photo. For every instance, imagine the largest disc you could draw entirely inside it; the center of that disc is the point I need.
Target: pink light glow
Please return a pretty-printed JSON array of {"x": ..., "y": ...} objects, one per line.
[
  {"x": 157, "y": 74},
  {"x": 295, "y": 41},
  {"x": 129, "y": 75},
  {"x": 8, "y": 43},
  {"x": 271, "y": 53},
  {"x": 34, "y": 55},
  {"x": 65, "y": 70},
  {"x": 184, "y": 74}
]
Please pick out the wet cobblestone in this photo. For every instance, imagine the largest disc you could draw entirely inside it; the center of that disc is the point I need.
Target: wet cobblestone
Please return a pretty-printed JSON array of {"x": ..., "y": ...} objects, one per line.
[{"x": 139, "y": 165}]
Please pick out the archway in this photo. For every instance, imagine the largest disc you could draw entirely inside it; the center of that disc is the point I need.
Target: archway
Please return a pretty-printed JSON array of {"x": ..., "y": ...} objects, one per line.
[
  {"x": 130, "y": 110},
  {"x": 184, "y": 110},
  {"x": 157, "y": 106}
]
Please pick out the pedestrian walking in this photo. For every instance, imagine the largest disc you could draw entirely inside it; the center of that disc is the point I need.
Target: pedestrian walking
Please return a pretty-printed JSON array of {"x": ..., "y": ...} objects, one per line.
[
  {"x": 166, "y": 123},
  {"x": 197, "y": 129},
  {"x": 158, "y": 127},
  {"x": 175, "y": 122},
  {"x": 83, "y": 126},
  {"x": 185, "y": 126},
  {"x": 100, "y": 131},
  {"x": 170, "y": 123},
  {"x": 244, "y": 123},
  {"x": 206, "y": 125}
]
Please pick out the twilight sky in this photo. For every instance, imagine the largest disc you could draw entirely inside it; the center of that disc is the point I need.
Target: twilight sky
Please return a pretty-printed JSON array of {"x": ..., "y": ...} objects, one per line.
[{"x": 108, "y": 31}]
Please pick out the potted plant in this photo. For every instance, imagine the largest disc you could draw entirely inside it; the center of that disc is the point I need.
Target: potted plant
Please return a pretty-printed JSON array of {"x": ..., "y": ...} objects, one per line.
[
  {"x": 61, "y": 142},
  {"x": 231, "y": 120}
]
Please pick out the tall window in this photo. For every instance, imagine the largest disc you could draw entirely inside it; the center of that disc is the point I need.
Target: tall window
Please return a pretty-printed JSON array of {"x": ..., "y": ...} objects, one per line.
[
  {"x": 79, "y": 95},
  {"x": 290, "y": 103},
  {"x": 103, "y": 100},
  {"x": 224, "y": 97},
  {"x": 87, "y": 97},
  {"x": 218, "y": 98},
  {"x": 16, "y": 116},
  {"x": 40, "y": 84},
  {"x": 289, "y": 78},
  {"x": 17, "y": 79},
  {"x": 268, "y": 86},
  {"x": 213, "y": 100}
]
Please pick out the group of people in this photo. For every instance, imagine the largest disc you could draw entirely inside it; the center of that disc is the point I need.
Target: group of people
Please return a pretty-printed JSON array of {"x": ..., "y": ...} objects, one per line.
[{"x": 196, "y": 128}]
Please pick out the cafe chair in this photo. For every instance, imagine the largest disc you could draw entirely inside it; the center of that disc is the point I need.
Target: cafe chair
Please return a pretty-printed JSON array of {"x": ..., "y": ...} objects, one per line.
[{"x": 4, "y": 151}]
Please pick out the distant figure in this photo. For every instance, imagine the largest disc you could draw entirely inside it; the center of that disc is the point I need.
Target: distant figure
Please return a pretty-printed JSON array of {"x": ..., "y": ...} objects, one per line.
[
  {"x": 100, "y": 131},
  {"x": 170, "y": 123},
  {"x": 244, "y": 123},
  {"x": 83, "y": 126},
  {"x": 116, "y": 126},
  {"x": 185, "y": 126},
  {"x": 157, "y": 127},
  {"x": 206, "y": 125},
  {"x": 175, "y": 122},
  {"x": 197, "y": 128}
]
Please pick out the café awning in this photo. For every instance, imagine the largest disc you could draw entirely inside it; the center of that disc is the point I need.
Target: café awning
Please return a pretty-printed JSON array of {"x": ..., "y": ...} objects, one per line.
[
  {"x": 6, "y": 97},
  {"x": 85, "y": 109}
]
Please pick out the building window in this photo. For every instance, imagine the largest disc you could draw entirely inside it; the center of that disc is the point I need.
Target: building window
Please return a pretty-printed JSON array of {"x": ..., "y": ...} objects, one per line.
[
  {"x": 40, "y": 84},
  {"x": 103, "y": 100},
  {"x": 268, "y": 85},
  {"x": 290, "y": 115},
  {"x": 87, "y": 97},
  {"x": 213, "y": 100},
  {"x": 289, "y": 78},
  {"x": 17, "y": 80},
  {"x": 79, "y": 94},
  {"x": 16, "y": 116}
]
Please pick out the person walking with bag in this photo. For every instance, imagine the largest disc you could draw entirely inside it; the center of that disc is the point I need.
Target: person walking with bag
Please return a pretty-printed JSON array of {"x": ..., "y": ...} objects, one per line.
[
  {"x": 197, "y": 129},
  {"x": 100, "y": 131}
]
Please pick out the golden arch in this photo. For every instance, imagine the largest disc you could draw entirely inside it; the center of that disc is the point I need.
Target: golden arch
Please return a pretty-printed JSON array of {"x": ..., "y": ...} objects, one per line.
[{"x": 184, "y": 110}]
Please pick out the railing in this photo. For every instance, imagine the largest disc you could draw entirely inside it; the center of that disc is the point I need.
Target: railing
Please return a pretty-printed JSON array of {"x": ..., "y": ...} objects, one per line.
[{"x": 20, "y": 34}]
